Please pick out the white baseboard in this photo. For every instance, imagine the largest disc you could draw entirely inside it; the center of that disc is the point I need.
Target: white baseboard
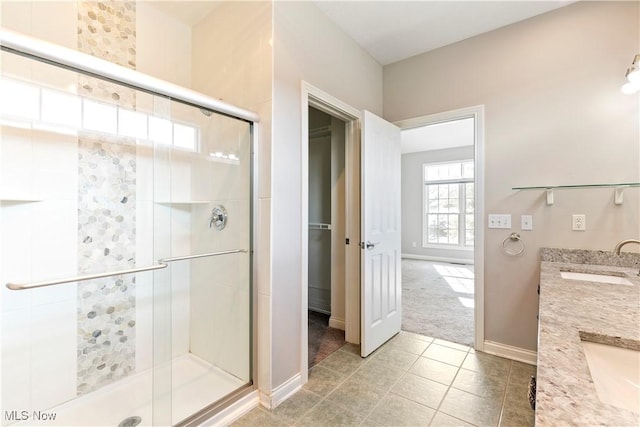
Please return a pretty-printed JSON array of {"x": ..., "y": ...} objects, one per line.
[
  {"x": 510, "y": 352},
  {"x": 439, "y": 259},
  {"x": 282, "y": 392},
  {"x": 336, "y": 322},
  {"x": 232, "y": 413}
]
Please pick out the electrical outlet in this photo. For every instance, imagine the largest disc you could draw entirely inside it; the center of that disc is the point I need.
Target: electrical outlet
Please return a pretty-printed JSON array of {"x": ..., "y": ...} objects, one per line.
[
  {"x": 526, "y": 222},
  {"x": 579, "y": 222}
]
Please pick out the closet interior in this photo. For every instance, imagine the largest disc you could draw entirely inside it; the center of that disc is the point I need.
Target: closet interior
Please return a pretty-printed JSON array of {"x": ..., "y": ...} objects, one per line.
[{"x": 327, "y": 219}]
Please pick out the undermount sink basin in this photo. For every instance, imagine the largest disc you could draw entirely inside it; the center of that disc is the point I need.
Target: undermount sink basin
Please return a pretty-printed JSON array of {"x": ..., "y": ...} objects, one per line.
[
  {"x": 616, "y": 374},
  {"x": 601, "y": 278}
]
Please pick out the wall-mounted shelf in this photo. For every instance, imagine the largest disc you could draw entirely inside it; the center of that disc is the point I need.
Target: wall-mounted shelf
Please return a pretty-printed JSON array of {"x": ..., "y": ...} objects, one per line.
[{"x": 618, "y": 196}]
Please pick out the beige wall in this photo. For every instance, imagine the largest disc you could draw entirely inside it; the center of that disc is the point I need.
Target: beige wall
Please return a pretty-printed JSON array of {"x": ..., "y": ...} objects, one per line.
[
  {"x": 307, "y": 46},
  {"x": 554, "y": 115}
]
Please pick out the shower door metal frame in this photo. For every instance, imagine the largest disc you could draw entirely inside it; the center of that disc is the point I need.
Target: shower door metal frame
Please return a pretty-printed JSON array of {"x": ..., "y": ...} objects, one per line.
[{"x": 50, "y": 53}]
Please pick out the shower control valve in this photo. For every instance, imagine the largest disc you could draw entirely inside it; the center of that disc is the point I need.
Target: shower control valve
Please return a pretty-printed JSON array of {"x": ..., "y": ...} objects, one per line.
[{"x": 218, "y": 218}]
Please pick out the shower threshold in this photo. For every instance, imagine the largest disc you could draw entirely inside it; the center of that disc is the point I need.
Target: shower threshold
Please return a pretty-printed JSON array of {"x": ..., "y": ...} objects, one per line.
[{"x": 195, "y": 384}]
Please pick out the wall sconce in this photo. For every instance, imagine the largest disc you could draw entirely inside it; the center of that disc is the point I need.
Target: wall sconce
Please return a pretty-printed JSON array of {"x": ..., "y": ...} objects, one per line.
[{"x": 633, "y": 76}]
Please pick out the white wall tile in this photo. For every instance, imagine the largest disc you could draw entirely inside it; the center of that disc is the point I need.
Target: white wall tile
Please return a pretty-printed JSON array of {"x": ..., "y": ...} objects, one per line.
[
  {"x": 16, "y": 361},
  {"x": 264, "y": 342},
  {"x": 17, "y": 232},
  {"x": 55, "y": 166},
  {"x": 264, "y": 150},
  {"x": 263, "y": 249},
  {"x": 53, "y": 354},
  {"x": 144, "y": 281},
  {"x": 16, "y": 170},
  {"x": 54, "y": 249}
]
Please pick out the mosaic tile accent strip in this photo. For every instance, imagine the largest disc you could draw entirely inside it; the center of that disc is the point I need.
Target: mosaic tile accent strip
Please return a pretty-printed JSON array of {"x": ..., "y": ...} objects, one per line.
[
  {"x": 107, "y": 30},
  {"x": 106, "y": 207}
]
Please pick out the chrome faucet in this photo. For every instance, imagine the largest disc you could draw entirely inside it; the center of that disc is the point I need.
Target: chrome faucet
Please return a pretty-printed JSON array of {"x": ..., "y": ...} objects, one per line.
[{"x": 620, "y": 244}]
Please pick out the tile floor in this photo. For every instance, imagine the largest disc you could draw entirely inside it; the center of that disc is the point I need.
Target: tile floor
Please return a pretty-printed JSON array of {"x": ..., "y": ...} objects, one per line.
[{"x": 412, "y": 380}]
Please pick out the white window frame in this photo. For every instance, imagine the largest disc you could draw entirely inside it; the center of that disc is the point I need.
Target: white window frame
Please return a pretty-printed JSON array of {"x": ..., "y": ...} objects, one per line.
[{"x": 462, "y": 205}]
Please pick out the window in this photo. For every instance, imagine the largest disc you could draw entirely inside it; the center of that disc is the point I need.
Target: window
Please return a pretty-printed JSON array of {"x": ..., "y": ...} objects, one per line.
[{"x": 448, "y": 204}]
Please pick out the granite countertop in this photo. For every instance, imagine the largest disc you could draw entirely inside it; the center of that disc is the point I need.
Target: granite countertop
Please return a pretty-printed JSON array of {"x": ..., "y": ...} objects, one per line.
[{"x": 600, "y": 312}]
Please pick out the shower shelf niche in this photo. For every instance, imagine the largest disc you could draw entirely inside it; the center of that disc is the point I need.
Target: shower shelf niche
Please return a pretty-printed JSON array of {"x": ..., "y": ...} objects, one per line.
[{"x": 618, "y": 190}]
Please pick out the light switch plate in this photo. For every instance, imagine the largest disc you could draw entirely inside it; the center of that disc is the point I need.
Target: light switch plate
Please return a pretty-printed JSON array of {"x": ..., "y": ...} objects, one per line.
[
  {"x": 499, "y": 220},
  {"x": 526, "y": 222}
]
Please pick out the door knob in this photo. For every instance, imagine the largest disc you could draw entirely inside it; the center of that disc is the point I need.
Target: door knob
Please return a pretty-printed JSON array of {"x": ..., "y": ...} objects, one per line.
[{"x": 371, "y": 245}]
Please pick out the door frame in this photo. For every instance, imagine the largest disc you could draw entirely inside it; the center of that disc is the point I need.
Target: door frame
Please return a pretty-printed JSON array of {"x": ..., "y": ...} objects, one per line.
[
  {"x": 477, "y": 113},
  {"x": 316, "y": 98}
]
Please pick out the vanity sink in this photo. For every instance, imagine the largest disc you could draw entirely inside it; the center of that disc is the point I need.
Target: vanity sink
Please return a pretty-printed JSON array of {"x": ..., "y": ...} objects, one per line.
[
  {"x": 616, "y": 374},
  {"x": 600, "y": 278}
]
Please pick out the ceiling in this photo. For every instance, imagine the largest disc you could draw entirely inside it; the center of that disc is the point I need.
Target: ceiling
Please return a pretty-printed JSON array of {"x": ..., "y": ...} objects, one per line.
[
  {"x": 439, "y": 136},
  {"x": 395, "y": 30}
]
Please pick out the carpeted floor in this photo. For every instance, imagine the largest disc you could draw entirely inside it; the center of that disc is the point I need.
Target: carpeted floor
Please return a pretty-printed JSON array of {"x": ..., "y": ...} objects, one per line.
[
  {"x": 323, "y": 340},
  {"x": 437, "y": 300}
]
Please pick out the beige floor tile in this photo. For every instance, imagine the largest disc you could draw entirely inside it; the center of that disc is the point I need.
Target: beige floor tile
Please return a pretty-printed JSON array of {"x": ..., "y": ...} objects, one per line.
[
  {"x": 378, "y": 374},
  {"x": 450, "y": 344},
  {"x": 328, "y": 414},
  {"x": 342, "y": 362},
  {"x": 517, "y": 395},
  {"x": 434, "y": 370},
  {"x": 420, "y": 390},
  {"x": 407, "y": 343},
  {"x": 471, "y": 408},
  {"x": 444, "y": 420},
  {"x": 351, "y": 348},
  {"x": 396, "y": 386},
  {"x": 395, "y": 410},
  {"x": 524, "y": 369},
  {"x": 416, "y": 336},
  {"x": 360, "y": 397},
  {"x": 483, "y": 362},
  {"x": 323, "y": 381},
  {"x": 517, "y": 416},
  {"x": 297, "y": 405},
  {"x": 396, "y": 358},
  {"x": 481, "y": 384},
  {"x": 520, "y": 376},
  {"x": 260, "y": 417},
  {"x": 445, "y": 354}
]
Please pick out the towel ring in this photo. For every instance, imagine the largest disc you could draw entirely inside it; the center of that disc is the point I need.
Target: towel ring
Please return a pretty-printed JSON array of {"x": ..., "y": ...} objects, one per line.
[{"x": 513, "y": 238}]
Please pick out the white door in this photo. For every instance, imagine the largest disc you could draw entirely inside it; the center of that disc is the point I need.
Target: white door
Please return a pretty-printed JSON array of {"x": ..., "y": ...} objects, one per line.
[{"x": 380, "y": 261}]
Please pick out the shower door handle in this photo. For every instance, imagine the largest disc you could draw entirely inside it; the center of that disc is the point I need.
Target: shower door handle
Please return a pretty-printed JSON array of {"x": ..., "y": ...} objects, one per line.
[{"x": 162, "y": 263}]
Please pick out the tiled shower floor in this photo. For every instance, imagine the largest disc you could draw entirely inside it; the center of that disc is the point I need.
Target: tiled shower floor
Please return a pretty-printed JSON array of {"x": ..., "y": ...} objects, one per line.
[{"x": 412, "y": 380}]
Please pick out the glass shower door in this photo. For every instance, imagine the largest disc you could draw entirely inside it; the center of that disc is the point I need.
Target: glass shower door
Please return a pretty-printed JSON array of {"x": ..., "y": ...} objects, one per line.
[
  {"x": 202, "y": 220},
  {"x": 130, "y": 303}
]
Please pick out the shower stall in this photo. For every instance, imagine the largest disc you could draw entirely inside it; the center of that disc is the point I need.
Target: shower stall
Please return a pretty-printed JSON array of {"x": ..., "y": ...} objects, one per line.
[{"x": 126, "y": 255}]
